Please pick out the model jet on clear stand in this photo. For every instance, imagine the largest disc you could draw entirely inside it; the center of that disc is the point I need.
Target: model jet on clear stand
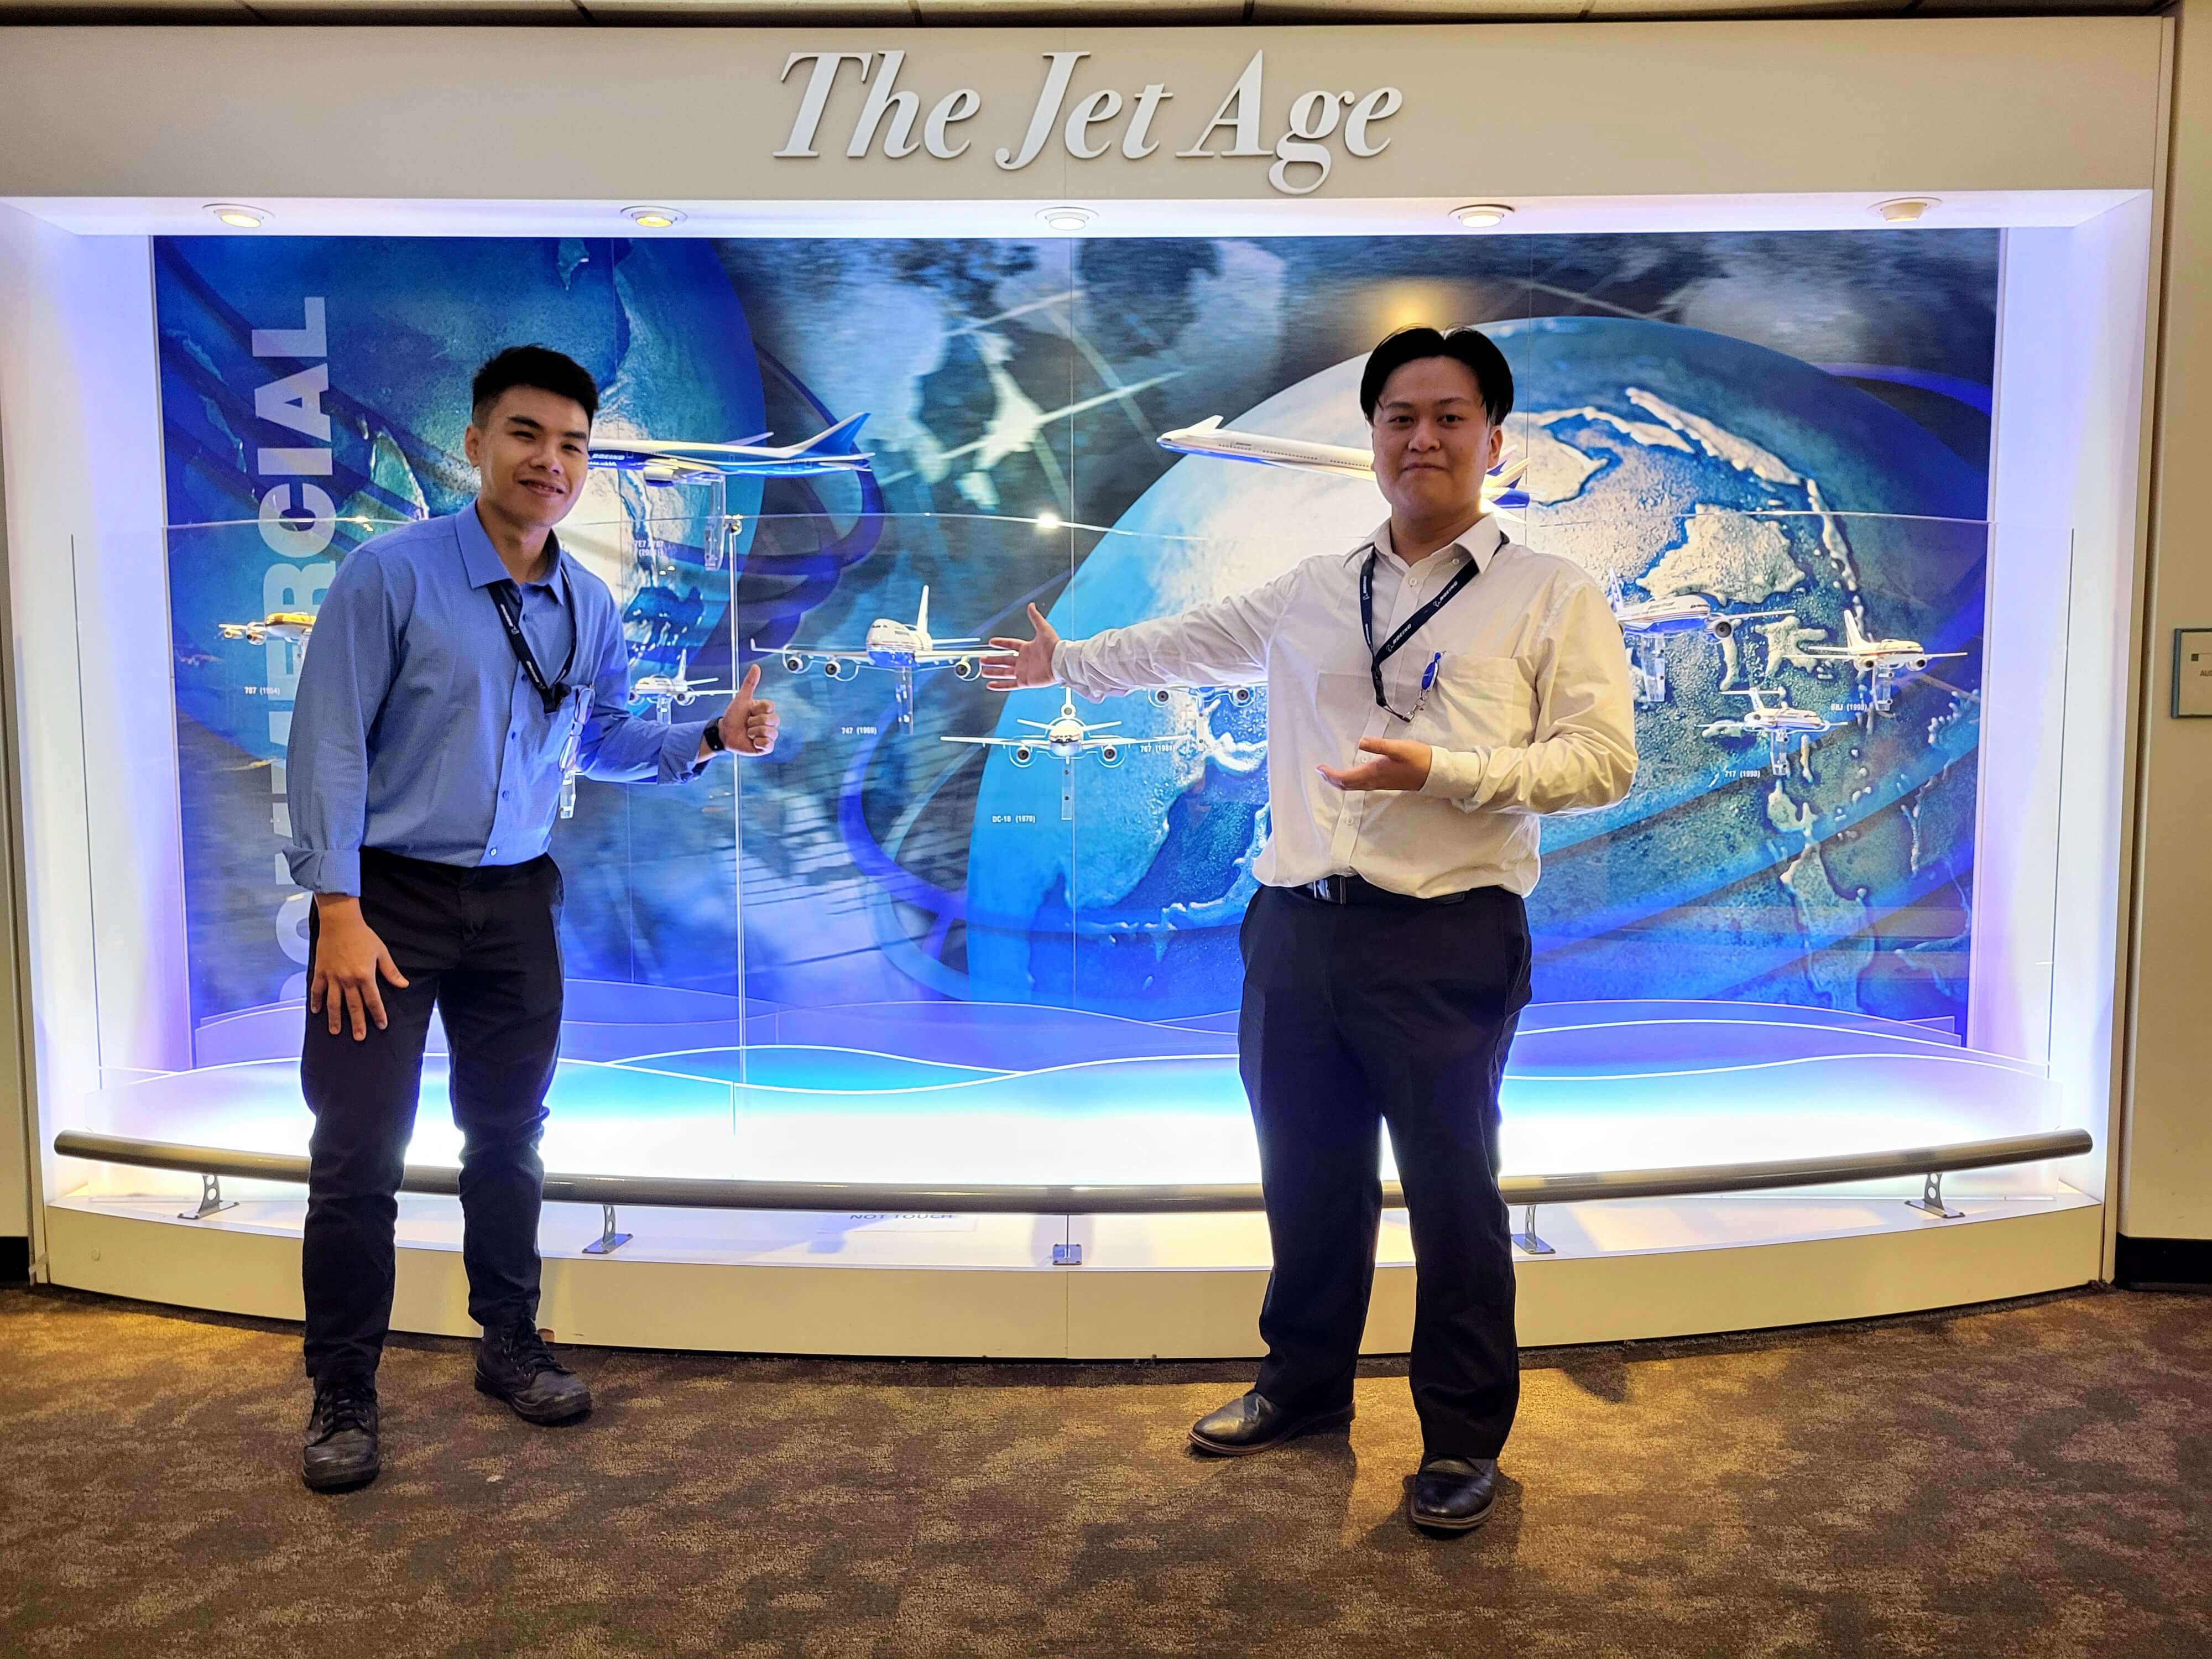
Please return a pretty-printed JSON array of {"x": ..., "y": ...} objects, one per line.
[
  {"x": 1237, "y": 695},
  {"x": 1066, "y": 737},
  {"x": 667, "y": 692},
  {"x": 1777, "y": 722},
  {"x": 898, "y": 647},
  {"x": 1501, "y": 489},
  {"x": 1646, "y": 625},
  {"x": 293, "y": 627},
  {"x": 663, "y": 461},
  {"x": 1881, "y": 663}
]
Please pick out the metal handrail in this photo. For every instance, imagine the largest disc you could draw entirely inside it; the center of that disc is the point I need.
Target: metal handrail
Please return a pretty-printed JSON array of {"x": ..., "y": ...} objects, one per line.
[{"x": 677, "y": 1191}]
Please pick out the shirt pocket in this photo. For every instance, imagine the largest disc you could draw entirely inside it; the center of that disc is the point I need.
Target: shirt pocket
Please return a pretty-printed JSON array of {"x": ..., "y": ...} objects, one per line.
[{"x": 1477, "y": 702}]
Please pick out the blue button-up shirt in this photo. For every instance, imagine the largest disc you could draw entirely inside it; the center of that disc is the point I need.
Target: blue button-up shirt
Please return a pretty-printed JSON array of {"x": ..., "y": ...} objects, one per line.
[{"x": 415, "y": 731}]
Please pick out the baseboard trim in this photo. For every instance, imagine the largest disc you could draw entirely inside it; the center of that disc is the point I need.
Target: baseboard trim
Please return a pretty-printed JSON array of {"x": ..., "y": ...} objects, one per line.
[{"x": 2142, "y": 1263}]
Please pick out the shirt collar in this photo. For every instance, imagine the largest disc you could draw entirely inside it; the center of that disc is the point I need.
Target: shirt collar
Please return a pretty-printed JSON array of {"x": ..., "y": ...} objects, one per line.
[
  {"x": 1480, "y": 543},
  {"x": 480, "y": 559}
]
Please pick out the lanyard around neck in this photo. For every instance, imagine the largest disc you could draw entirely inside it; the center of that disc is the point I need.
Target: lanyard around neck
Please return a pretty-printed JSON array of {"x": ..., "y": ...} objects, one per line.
[
  {"x": 506, "y": 600},
  {"x": 1413, "y": 623}
]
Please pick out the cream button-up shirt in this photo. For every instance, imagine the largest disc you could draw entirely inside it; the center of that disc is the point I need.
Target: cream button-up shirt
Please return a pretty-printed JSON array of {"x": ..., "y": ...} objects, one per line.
[{"x": 1531, "y": 710}]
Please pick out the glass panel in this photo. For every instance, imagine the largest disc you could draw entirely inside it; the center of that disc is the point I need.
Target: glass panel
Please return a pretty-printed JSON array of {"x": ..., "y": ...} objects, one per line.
[
  {"x": 929, "y": 941},
  {"x": 649, "y": 932}
]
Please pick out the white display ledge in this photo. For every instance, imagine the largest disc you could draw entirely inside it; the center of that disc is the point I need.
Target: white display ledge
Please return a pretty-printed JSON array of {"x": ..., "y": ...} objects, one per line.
[{"x": 1166, "y": 1286}]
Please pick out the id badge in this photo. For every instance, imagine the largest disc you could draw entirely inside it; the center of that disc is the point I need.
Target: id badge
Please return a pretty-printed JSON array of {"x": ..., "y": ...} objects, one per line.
[{"x": 579, "y": 711}]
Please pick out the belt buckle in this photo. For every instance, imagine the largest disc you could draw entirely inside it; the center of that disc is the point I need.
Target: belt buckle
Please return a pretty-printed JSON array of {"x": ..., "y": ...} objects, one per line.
[{"x": 1331, "y": 889}]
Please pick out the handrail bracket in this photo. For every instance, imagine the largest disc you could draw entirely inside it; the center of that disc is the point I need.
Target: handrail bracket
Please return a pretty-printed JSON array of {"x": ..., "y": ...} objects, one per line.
[
  {"x": 1931, "y": 1198},
  {"x": 609, "y": 1240},
  {"x": 212, "y": 1202}
]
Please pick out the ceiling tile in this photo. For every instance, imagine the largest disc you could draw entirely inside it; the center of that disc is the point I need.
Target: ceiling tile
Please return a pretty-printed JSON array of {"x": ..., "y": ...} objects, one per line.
[
  {"x": 126, "y": 11},
  {"x": 418, "y": 11},
  {"x": 826, "y": 13},
  {"x": 1418, "y": 11}
]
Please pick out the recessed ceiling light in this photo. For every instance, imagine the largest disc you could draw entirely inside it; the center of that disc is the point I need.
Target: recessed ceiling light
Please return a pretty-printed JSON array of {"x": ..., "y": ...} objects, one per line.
[
  {"x": 1480, "y": 216},
  {"x": 1905, "y": 209},
  {"x": 1048, "y": 520},
  {"x": 1067, "y": 218},
  {"x": 238, "y": 217},
  {"x": 653, "y": 218}
]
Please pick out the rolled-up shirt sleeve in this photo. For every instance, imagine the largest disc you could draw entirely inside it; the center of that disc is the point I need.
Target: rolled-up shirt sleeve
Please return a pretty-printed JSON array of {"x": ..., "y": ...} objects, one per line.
[
  {"x": 1221, "y": 643},
  {"x": 618, "y": 747},
  {"x": 1582, "y": 754},
  {"x": 344, "y": 674}
]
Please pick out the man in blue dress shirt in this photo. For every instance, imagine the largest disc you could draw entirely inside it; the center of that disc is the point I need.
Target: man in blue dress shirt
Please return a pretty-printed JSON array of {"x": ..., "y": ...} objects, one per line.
[{"x": 460, "y": 669}]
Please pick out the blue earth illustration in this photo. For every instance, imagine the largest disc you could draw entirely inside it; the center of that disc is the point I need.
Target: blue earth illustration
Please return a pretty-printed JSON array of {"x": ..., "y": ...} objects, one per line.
[
  {"x": 1830, "y": 872},
  {"x": 655, "y": 322}
]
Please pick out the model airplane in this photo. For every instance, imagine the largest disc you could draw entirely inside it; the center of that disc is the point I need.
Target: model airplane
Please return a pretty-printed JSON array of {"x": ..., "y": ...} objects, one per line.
[
  {"x": 1777, "y": 722},
  {"x": 1680, "y": 613},
  {"x": 667, "y": 461},
  {"x": 1881, "y": 661},
  {"x": 666, "y": 691},
  {"x": 1501, "y": 491},
  {"x": 1238, "y": 694},
  {"x": 900, "y": 647},
  {"x": 1645, "y": 624},
  {"x": 291, "y": 626},
  {"x": 1066, "y": 737}
]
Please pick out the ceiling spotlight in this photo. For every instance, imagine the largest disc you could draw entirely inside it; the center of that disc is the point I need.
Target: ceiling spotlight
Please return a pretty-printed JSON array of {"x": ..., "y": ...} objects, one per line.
[
  {"x": 1480, "y": 216},
  {"x": 1067, "y": 218},
  {"x": 653, "y": 218},
  {"x": 240, "y": 218},
  {"x": 1047, "y": 521},
  {"x": 1904, "y": 209}
]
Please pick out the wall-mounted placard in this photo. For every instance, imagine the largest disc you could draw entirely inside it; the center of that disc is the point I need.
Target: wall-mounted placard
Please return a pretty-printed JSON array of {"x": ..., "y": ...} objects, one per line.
[{"x": 2192, "y": 672}]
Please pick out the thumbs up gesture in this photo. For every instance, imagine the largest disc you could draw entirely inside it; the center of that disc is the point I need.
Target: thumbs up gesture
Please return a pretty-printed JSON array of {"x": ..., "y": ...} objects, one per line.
[{"x": 749, "y": 724}]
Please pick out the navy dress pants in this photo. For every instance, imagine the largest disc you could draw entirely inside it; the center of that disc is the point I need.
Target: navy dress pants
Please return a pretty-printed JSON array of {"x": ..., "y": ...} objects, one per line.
[
  {"x": 1358, "y": 1016},
  {"x": 482, "y": 947}
]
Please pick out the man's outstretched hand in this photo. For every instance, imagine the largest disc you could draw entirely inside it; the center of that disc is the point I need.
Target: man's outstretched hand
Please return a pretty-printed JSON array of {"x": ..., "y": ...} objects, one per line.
[
  {"x": 1398, "y": 764},
  {"x": 749, "y": 724},
  {"x": 1019, "y": 664}
]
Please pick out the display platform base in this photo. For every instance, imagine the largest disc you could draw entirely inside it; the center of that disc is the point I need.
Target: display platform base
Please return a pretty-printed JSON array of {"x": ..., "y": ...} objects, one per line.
[{"x": 1147, "y": 1286}]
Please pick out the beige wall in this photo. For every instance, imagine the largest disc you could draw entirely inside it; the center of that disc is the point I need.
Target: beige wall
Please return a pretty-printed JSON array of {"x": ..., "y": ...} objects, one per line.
[
  {"x": 2167, "y": 1176},
  {"x": 16, "y": 1083},
  {"x": 1873, "y": 106},
  {"x": 1683, "y": 110}
]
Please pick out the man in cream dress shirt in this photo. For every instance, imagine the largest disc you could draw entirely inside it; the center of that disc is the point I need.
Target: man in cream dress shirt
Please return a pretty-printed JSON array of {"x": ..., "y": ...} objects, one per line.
[{"x": 1414, "y": 738}]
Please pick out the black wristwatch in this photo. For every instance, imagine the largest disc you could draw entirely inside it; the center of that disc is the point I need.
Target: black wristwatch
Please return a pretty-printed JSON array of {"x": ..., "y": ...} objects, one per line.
[{"x": 712, "y": 737}]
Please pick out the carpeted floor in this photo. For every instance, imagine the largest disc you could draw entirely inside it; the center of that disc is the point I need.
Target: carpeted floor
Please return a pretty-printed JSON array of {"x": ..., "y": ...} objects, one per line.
[{"x": 2030, "y": 1479}]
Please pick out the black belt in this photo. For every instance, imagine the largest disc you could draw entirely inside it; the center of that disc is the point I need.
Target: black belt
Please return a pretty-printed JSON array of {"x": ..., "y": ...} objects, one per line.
[
  {"x": 1351, "y": 889},
  {"x": 458, "y": 875}
]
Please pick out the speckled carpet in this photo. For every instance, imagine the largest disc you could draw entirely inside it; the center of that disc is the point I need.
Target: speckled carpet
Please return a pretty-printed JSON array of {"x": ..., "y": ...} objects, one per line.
[{"x": 2030, "y": 1479}]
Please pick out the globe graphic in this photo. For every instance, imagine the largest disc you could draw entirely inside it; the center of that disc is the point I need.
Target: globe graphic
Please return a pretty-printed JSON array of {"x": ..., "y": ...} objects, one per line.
[
  {"x": 1827, "y": 873},
  {"x": 656, "y": 324}
]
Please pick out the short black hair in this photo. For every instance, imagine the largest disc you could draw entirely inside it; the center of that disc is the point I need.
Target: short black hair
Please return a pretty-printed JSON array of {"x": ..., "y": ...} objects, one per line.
[
  {"x": 1493, "y": 376},
  {"x": 536, "y": 365}
]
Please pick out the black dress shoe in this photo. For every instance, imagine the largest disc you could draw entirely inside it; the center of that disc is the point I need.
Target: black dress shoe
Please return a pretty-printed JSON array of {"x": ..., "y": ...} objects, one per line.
[
  {"x": 514, "y": 1365},
  {"x": 1252, "y": 1423},
  {"x": 1454, "y": 1494},
  {"x": 341, "y": 1450}
]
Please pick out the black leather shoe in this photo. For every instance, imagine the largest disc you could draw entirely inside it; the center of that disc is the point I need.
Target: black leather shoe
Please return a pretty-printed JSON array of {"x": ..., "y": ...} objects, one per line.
[
  {"x": 1252, "y": 1423},
  {"x": 1454, "y": 1494},
  {"x": 341, "y": 1450},
  {"x": 514, "y": 1365}
]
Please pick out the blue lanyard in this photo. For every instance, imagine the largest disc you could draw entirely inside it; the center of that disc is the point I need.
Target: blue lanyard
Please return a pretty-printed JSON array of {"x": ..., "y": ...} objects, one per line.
[{"x": 1412, "y": 625}]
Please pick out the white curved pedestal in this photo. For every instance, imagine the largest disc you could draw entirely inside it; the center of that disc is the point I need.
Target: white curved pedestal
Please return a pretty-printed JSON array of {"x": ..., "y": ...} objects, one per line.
[{"x": 1149, "y": 1286}]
